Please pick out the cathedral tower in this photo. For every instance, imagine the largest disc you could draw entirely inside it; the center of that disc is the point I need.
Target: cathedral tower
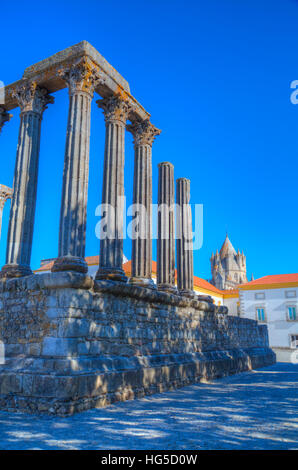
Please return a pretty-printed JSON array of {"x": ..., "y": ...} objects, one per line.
[{"x": 228, "y": 267}]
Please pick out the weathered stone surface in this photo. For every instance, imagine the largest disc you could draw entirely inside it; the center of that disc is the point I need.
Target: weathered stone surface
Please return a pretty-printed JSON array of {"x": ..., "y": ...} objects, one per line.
[
  {"x": 45, "y": 73},
  {"x": 72, "y": 54},
  {"x": 69, "y": 348}
]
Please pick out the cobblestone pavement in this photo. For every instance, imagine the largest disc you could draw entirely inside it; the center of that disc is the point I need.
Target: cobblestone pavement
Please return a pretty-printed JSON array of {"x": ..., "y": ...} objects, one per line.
[{"x": 256, "y": 410}]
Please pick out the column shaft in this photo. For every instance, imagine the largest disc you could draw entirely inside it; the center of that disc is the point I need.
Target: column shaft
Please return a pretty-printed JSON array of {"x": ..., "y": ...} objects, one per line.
[
  {"x": 20, "y": 232},
  {"x": 81, "y": 80},
  {"x": 111, "y": 242},
  {"x": 166, "y": 229},
  {"x": 75, "y": 178},
  {"x": 184, "y": 238},
  {"x": 144, "y": 135},
  {"x": 32, "y": 101},
  {"x": 142, "y": 199}
]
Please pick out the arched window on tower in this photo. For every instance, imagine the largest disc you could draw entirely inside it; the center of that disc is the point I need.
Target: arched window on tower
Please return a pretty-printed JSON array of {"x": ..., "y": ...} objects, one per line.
[{"x": 236, "y": 277}]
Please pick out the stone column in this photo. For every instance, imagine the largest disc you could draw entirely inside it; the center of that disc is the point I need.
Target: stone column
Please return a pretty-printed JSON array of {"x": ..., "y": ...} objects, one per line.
[
  {"x": 166, "y": 229},
  {"x": 184, "y": 238},
  {"x": 81, "y": 79},
  {"x": 32, "y": 101},
  {"x": 4, "y": 117},
  {"x": 144, "y": 135},
  {"x": 115, "y": 111},
  {"x": 5, "y": 194}
]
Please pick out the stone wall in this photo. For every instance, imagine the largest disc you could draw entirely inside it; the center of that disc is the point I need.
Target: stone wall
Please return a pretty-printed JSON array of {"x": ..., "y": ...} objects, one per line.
[{"x": 73, "y": 344}]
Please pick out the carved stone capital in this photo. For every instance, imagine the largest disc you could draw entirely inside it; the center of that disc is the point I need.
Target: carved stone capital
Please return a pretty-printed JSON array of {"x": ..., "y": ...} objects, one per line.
[
  {"x": 4, "y": 117},
  {"x": 115, "y": 108},
  {"x": 32, "y": 98},
  {"x": 82, "y": 77},
  {"x": 144, "y": 132}
]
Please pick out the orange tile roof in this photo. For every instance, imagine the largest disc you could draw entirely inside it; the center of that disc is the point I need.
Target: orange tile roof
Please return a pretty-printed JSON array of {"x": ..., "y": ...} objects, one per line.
[
  {"x": 273, "y": 279},
  {"x": 127, "y": 268},
  {"x": 199, "y": 282},
  {"x": 230, "y": 291},
  {"x": 45, "y": 267}
]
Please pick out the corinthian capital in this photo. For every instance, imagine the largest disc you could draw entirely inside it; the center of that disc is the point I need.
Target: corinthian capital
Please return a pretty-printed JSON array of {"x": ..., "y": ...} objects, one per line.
[
  {"x": 30, "y": 97},
  {"x": 82, "y": 77},
  {"x": 4, "y": 117},
  {"x": 115, "y": 108},
  {"x": 144, "y": 132}
]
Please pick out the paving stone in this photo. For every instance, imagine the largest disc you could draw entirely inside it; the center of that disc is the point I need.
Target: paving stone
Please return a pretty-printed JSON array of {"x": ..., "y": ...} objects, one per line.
[{"x": 255, "y": 410}]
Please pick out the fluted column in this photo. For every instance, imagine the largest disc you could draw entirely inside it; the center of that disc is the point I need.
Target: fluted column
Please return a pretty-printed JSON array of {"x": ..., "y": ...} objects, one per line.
[
  {"x": 4, "y": 117},
  {"x": 144, "y": 135},
  {"x": 5, "y": 194},
  {"x": 111, "y": 243},
  {"x": 32, "y": 101},
  {"x": 166, "y": 228},
  {"x": 81, "y": 79},
  {"x": 184, "y": 238}
]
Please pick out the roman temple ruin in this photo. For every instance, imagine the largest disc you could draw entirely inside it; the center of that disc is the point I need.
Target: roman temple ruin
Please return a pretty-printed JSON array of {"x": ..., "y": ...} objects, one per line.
[{"x": 72, "y": 342}]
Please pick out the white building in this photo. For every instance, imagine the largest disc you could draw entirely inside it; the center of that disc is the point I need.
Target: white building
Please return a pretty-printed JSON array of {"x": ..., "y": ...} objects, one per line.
[{"x": 273, "y": 300}]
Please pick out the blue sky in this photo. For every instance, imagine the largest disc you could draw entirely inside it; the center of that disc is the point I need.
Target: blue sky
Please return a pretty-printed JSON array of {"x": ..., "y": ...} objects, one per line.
[{"x": 215, "y": 77}]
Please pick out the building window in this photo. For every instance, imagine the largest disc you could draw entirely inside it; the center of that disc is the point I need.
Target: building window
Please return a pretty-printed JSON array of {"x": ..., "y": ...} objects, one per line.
[
  {"x": 292, "y": 313},
  {"x": 290, "y": 294},
  {"x": 260, "y": 311},
  {"x": 294, "y": 341},
  {"x": 259, "y": 295}
]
